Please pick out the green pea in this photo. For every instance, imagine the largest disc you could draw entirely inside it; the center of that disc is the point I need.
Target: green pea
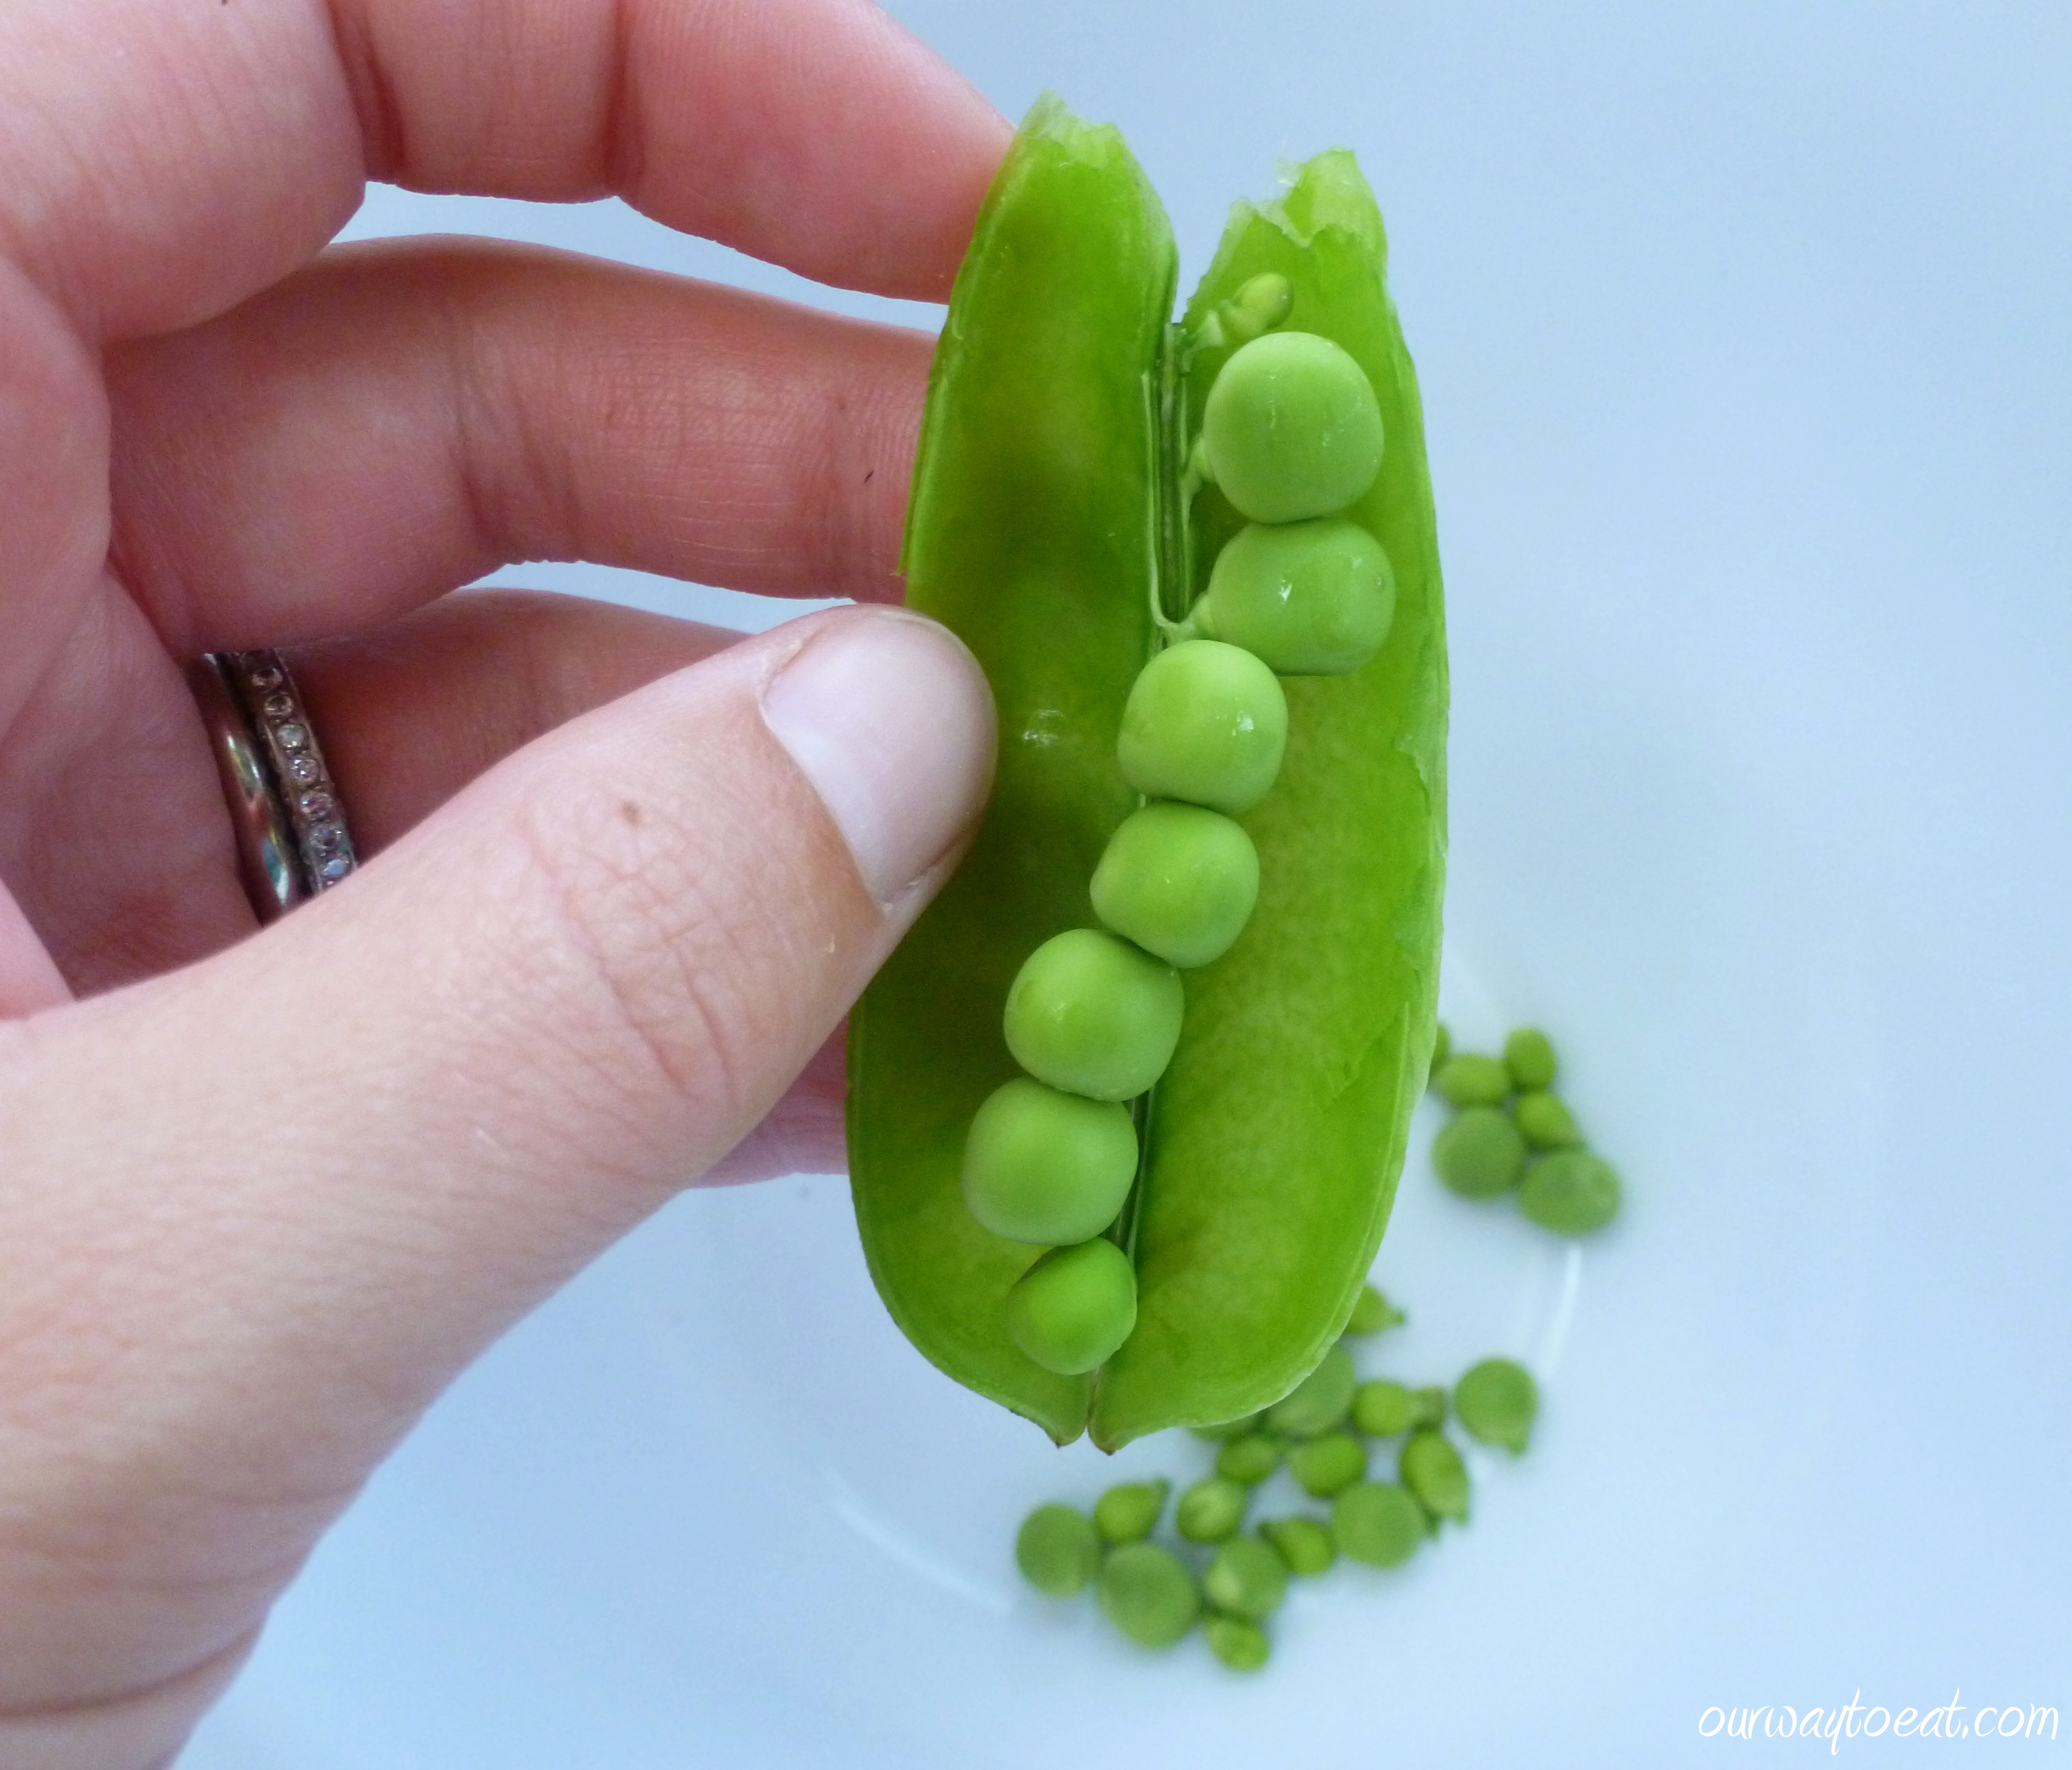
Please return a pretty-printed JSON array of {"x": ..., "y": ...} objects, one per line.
[
  {"x": 1249, "y": 1459},
  {"x": 1306, "y": 1544},
  {"x": 1240, "y": 1645},
  {"x": 1433, "y": 1470},
  {"x": 1471, "y": 1081},
  {"x": 1291, "y": 428},
  {"x": 1072, "y": 1309},
  {"x": 1127, "y": 1512},
  {"x": 1319, "y": 1402},
  {"x": 1178, "y": 880},
  {"x": 1261, "y": 303},
  {"x": 1381, "y": 1409},
  {"x": 1309, "y": 599},
  {"x": 1206, "y": 723},
  {"x": 1442, "y": 1048},
  {"x": 1529, "y": 1058},
  {"x": 1379, "y": 1523},
  {"x": 1057, "y": 1551},
  {"x": 1090, "y": 1015},
  {"x": 1246, "y": 1578},
  {"x": 1048, "y": 1167},
  {"x": 1212, "y": 1510},
  {"x": 1497, "y": 1401},
  {"x": 1544, "y": 1122},
  {"x": 1480, "y": 1153},
  {"x": 1325, "y": 1465},
  {"x": 1227, "y": 1429},
  {"x": 1571, "y": 1192},
  {"x": 1428, "y": 1406},
  {"x": 1372, "y": 1312},
  {"x": 1148, "y": 1593}
]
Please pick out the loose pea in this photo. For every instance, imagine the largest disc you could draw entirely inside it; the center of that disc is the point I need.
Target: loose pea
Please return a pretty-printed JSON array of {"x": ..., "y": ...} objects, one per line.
[
  {"x": 1249, "y": 1459},
  {"x": 1497, "y": 1401},
  {"x": 1240, "y": 1645},
  {"x": 1306, "y": 1544},
  {"x": 1090, "y": 1015},
  {"x": 1045, "y": 1167},
  {"x": 1246, "y": 1578},
  {"x": 1291, "y": 428},
  {"x": 1571, "y": 1192},
  {"x": 1148, "y": 1593},
  {"x": 1206, "y": 723},
  {"x": 1057, "y": 1551},
  {"x": 1544, "y": 1122},
  {"x": 1480, "y": 1153},
  {"x": 1212, "y": 1510},
  {"x": 1127, "y": 1512},
  {"x": 1311, "y": 599},
  {"x": 1372, "y": 1312},
  {"x": 1381, "y": 1409},
  {"x": 1072, "y": 1309},
  {"x": 1529, "y": 1058},
  {"x": 1325, "y": 1465},
  {"x": 1433, "y": 1470},
  {"x": 1319, "y": 1402},
  {"x": 1442, "y": 1048},
  {"x": 1428, "y": 1406},
  {"x": 1178, "y": 880},
  {"x": 1377, "y": 1522},
  {"x": 1226, "y": 1429},
  {"x": 1471, "y": 1081}
]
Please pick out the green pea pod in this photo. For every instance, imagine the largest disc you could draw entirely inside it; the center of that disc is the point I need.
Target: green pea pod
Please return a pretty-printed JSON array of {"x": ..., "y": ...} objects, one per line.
[{"x": 1046, "y": 519}]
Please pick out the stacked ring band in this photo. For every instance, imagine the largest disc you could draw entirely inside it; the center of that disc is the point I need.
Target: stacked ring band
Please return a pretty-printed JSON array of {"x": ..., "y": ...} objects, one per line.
[{"x": 292, "y": 838}]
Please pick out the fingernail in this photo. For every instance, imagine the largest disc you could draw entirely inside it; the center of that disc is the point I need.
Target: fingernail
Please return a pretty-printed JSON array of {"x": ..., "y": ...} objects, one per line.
[{"x": 891, "y": 719}]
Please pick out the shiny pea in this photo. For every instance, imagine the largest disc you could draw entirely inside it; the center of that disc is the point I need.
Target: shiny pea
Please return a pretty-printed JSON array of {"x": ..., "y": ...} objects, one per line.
[
  {"x": 1072, "y": 1309},
  {"x": 1240, "y": 1645},
  {"x": 1433, "y": 1470},
  {"x": 1092, "y": 1014},
  {"x": 1498, "y": 1401},
  {"x": 1291, "y": 428},
  {"x": 1057, "y": 1551},
  {"x": 1178, "y": 880},
  {"x": 1212, "y": 1510},
  {"x": 1149, "y": 1593},
  {"x": 1046, "y": 1167},
  {"x": 1466, "y": 1080},
  {"x": 1381, "y": 1409},
  {"x": 1325, "y": 1465},
  {"x": 1570, "y": 1192},
  {"x": 1544, "y": 1122},
  {"x": 1127, "y": 1512},
  {"x": 1377, "y": 1522},
  {"x": 1249, "y": 1459},
  {"x": 1246, "y": 1578},
  {"x": 1318, "y": 1402},
  {"x": 1205, "y": 723},
  {"x": 1309, "y": 599},
  {"x": 1480, "y": 1153},
  {"x": 1306, "y": 1544},
  {"x": 1372, "y": 1312},
  {"x": 1529, "y": 1057}
]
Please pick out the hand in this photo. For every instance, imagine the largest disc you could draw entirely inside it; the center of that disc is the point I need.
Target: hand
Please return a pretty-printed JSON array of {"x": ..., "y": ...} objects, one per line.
[{"x": 261, "y": 1198}]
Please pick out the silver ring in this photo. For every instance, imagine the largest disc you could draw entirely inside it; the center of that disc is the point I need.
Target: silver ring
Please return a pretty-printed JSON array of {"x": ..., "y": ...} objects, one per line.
[{"x": 292, "y": 840}]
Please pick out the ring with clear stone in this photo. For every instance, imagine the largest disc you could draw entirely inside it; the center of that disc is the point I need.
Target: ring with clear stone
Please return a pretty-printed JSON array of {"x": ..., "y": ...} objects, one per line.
[{"x": 292, "y": 840}]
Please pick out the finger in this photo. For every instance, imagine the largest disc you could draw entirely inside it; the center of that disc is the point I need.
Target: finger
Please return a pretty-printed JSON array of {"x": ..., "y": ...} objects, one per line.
[
  {"x": 262, "y": 1210},
  {"x": 403, "y": 417},
  {"x": 164, "y": 162}
]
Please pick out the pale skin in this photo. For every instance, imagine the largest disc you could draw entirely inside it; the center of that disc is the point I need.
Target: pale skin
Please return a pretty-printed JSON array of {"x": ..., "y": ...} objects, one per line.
[{"x": 263, "y": 1194}]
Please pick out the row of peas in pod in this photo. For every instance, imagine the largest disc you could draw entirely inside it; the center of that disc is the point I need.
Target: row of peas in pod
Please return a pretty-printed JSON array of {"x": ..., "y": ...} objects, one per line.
[
  {"x": 1292, "y": 433},
  {"x": 1231, "y": 1578},
  {"x": 1511, "y": 1132}
]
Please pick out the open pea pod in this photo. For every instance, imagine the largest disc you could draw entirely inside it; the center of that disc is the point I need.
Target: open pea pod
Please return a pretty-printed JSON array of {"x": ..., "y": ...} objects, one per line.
[{"x": 1047, "y": 520}]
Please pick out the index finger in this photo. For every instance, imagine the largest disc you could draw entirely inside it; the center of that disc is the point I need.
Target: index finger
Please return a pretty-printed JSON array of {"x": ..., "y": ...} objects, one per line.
[{"x": 149, "y": 188}]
